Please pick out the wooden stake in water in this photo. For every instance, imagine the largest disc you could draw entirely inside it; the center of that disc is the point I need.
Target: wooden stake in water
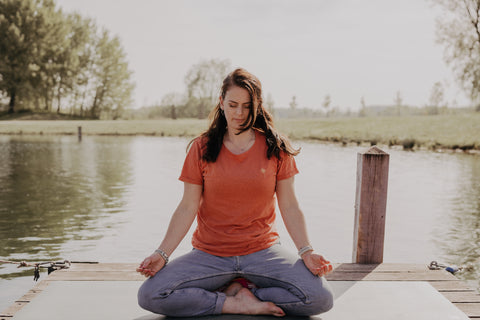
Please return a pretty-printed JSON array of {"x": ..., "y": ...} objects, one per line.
[
  {"x": 370, "y": 206},
  {"x": 79, "y": 133}
]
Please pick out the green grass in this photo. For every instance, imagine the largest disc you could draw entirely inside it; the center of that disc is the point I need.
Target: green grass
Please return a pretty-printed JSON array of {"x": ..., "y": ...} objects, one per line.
[
  {"x": 431, "y": 132},
  {"x": 164, "y": 127}
]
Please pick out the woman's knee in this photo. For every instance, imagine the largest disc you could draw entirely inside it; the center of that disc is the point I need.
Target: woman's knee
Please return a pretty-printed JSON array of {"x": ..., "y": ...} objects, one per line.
[
  {"x": 150, "y": 297},
  {"x": 321, "y": 300},
  {"x": 145, "y": 297}
]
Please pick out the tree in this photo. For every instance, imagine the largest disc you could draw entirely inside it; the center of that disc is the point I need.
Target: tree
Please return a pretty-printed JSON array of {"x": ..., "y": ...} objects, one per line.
[
  {"x": 83, "y": 35},
  {"x": 398, "y": 99},
  {"x": 172, "y": 101},
  {"x": 327, "y": 101},
  {"x": 47, "y": 57},
  {"x": 293, "y": 103},
  {"x": 459, "y": 31},
  {"x": 269, "y": 103},
  {"x": 437, "y": 95},
  {"x": 203, "y": 80},
  {"x": 52, "y": 56},
  {"x": 20, "y": 22},
  {"x": 398, "y": 102},
  {"x": 113, "y": 88},
  {"x": 363, "y": 107}
]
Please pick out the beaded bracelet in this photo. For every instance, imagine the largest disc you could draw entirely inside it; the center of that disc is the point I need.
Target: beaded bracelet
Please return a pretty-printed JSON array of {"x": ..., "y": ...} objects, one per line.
[
  {"x": 163, "y": 254},
  {"x": 304, "y": 250}
]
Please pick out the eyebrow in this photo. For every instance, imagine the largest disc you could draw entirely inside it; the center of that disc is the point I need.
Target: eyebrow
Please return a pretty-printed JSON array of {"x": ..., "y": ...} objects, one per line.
[{"x": 249, "y": 102}]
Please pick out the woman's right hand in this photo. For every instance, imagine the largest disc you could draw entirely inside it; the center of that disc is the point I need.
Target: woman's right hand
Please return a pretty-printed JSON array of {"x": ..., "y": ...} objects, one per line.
[{"x": 151, "y": 265}]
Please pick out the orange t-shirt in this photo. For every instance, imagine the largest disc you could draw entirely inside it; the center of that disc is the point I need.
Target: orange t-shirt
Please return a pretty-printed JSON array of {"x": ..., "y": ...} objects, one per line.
[{"x": 237, "y": 211}]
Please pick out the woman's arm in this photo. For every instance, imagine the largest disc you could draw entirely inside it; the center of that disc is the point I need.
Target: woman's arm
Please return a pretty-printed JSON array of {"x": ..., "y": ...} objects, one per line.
[
  {"x": 295, "y": 223},
  {"x": 178, "y": 227}
]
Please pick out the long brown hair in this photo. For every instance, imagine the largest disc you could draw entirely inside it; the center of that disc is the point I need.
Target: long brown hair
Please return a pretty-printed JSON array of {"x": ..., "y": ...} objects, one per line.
[{"x": 259, "y": 118}]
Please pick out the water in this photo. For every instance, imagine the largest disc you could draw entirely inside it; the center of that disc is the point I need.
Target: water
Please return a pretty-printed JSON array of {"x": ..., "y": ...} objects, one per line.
[{"x": 109, "y": 199}]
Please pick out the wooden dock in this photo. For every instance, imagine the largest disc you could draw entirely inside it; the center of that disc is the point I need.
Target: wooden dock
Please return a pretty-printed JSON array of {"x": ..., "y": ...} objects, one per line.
[{"x": 456, "y": 291}]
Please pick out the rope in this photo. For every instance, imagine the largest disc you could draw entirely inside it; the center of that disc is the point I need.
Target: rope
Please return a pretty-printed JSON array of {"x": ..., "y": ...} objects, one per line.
[
  {"x": 434, "y": 265},
  {"x": 50, "y": 265}
]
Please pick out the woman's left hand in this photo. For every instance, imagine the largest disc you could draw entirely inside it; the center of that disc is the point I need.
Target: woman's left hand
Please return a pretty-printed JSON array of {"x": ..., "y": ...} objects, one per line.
[{"x": 317, "y": 264}]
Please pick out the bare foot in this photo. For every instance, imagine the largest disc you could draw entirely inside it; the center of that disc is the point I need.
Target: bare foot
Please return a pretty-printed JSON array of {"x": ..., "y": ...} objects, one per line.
[
  {"x": 233, "y": 289},
  {"x": 244, "y": 302}
]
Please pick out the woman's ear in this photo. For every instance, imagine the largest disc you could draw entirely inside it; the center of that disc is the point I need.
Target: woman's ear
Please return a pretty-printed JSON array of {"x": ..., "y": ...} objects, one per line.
[{"x": 221, "y": 102}]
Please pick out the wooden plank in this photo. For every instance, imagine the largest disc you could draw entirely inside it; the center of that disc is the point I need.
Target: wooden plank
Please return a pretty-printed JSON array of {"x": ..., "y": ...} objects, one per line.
[
  {"x": 102, "y": 267},
  {"x": 96, "y": 276},
  {"x": 344, "y": 271},
  {"x": 370, "y": 206},
  {"x": 12, "y": 309},
  {"x": 458, "y": 285},
  {"x": 349, "y": 267},
  {"x": 387, "y": 276},
  {"x": 382, "y": 267},
  {"x": 462, "y": 296},
  {"x": 472, "y": 310},
  {"x": 24, "y": 300}
]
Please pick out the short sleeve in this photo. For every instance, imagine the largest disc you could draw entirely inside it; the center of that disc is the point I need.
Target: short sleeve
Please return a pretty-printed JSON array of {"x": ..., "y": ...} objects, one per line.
[
  {"x": 192, "y": 171},
  {"x": 287, "y": 166}
]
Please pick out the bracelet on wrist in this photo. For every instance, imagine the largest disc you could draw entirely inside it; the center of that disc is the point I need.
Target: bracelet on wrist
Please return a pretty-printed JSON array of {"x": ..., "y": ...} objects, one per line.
[
  {"x": 162, "y": 254},
  {"x": 304, "y": 250}
]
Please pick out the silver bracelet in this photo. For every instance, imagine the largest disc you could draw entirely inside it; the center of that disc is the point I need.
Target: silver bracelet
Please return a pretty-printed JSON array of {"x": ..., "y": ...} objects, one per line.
[
  {"x": 304, "y": 250},
  {"x": 163, "y": 254}
]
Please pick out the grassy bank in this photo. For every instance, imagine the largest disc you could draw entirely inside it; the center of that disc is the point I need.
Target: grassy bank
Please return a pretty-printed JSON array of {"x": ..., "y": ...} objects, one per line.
[{"x": 412, "y": 132}]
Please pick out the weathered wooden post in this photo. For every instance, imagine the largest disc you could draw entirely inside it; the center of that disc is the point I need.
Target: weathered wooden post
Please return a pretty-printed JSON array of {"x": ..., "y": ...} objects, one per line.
[
  {"x": 370, "y": 206},
  {"x": 79, "y": 133}
]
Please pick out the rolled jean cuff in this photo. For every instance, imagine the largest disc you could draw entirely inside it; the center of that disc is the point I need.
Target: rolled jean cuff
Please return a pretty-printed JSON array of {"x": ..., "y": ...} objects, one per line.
[{"x": 221, "y": 297}]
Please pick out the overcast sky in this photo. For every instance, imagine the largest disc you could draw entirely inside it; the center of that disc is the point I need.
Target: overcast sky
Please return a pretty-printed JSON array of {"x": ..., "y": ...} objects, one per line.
[{"x": 307, "y": 48}]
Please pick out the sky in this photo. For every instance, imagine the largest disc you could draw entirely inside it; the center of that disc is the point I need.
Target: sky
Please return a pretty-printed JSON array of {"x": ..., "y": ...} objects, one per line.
[{"x": 347, "y": 49}]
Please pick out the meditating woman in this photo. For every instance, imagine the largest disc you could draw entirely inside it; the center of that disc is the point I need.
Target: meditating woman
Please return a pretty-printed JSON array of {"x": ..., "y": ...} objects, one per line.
[{"x": 232, "y": 174}]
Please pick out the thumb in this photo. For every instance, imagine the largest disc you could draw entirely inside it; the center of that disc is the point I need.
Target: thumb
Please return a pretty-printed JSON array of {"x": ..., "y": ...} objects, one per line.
[{"x": 145, "y": 263}]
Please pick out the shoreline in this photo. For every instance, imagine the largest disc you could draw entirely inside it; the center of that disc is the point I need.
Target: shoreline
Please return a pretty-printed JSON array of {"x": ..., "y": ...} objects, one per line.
[{"x": 453, "y": 133}]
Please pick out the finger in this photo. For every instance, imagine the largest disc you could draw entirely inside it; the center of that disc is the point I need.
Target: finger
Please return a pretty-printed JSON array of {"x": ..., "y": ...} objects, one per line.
[
  {"x": 145, "y": 263},
  {"x": 325, "y": 261},
  {"x": 142, "y": 271},
  {"x": 318, "y": 271}
]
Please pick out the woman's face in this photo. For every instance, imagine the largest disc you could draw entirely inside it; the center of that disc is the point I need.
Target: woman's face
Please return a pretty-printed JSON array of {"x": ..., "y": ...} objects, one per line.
[{"x": 236, "y": 105}]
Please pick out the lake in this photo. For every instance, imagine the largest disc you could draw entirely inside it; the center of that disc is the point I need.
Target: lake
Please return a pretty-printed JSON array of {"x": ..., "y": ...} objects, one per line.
[{"x": 109, "y": 199}]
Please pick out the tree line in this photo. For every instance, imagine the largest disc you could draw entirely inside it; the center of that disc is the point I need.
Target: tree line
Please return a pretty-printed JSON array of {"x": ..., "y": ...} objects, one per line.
[
  {"x": 59, "y": 62},
  {"x": 202, "y": 88}
]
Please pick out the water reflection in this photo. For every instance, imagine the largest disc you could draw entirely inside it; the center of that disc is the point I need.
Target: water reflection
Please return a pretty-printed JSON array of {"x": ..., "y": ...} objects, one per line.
[
  {"x": 55, "y": 190},
  {"x": 459, "y": 238}
]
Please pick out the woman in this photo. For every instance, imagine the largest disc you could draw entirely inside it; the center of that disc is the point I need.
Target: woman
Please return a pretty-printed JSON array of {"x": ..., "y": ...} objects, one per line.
[{"x": 231, "y": 176}]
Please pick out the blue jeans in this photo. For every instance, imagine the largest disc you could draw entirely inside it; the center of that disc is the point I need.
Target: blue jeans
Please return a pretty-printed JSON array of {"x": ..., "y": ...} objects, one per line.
[{"x": 187, "y": 286}]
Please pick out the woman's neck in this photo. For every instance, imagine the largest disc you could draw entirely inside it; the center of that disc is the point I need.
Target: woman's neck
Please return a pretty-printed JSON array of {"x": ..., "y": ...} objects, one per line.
[
  {"x": 238, "y": 143},
  {"x": 242, "y": 137}
]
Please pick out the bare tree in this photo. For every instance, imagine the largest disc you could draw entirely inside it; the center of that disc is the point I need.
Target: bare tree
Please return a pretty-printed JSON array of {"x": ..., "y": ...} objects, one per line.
[
  {"x": 327, "y": 101},
  {"x": 293, "y": 104},
  {"x": 437, "y": 96},
  {"x": 459, "y": 31},
  {"x": 269, "y": 103},
  {"x": 203, "y": 82},
  {"x": 398, "y": 103}
]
